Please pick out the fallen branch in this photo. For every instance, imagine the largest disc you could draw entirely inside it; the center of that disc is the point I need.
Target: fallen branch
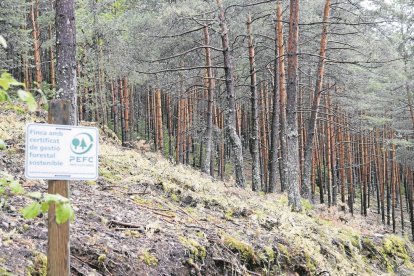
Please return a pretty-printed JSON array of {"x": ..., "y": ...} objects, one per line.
[{"x": 127, "y": 225}]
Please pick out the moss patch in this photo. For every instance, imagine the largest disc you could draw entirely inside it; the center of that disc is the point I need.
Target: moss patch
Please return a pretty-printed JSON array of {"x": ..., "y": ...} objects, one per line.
[
  {"x": 267, "y": 256},
  {"x": 175, "y": 197},
  {"x": 197, "y": 251},
  {"x": 311, "y": 265},
  {"x": 350, "y": 237},
  {"x": 284, "y": 251},
  {"x": 148, "y": 258},
  {"x": 306, "y": 205},
  {"x": 39, "y": 265},
  {"x": 394, "y": 252},
  {"x": 4, "y": 272},
  {"x": 246, "y": 251}
]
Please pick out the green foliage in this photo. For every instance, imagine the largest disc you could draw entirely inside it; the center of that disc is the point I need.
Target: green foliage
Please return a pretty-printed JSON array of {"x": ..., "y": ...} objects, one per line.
[
  {"x": 27, "y": 98},
  {"x": 64, "y": 211},
  {"x": 7, "y": 82},
  {"x": 10, "y": 187},
  {"x": 2, "y": 144},
  {"x": 31, "y": 211}
]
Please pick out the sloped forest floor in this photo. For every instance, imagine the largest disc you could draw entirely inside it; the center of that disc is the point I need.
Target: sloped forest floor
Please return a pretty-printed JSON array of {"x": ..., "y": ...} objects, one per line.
[{"x": 146, "y": 216}]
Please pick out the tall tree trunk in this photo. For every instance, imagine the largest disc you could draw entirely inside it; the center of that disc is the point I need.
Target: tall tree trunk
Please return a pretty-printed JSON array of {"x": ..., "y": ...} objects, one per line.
[
  {"x": 254, "y": 139},
  {"x": 102, "y": 96},
  {"x": 274, "y": 145},
  {"x": 158, "y": 120},
  {"x": 350, "y": 175},
  {"x": 282, "y": 97},
  {"x": 126, "y": 110},
  {"x": 114, "y": 89},
  {"x": 410, "y": 185},
  {"x": 231, "y": 106},
  {"x": 365, "y": 172},
  {"x": 292, "y": 165},
  {"x": 26, "y": 74},
  {"x": 319, "y": 164},
  {"x": 333, "y": 155},
  {"x": 328, "y": 152},
  {"x": 34, "y": 14},
  {"x": 210, "y": 98},
  {"x": 66, "y": 55},
  {"x": 52, "y": 60},
  {"x": 377, "y": 169},
  {"x": 95, "y": 101},
  {"x": 122, "y": 109},
  {"x": 393, "y": 186},
  {"x": 263, "y": 136},
  {"x": 315, "y": 102},
  {"x": 341, "y": 162},
  {"x": 148, "y": 114},
  {"x": 169, "y": 126},
  {"x": 178, "y": 133},
  {"x": 381, "y": 153}
]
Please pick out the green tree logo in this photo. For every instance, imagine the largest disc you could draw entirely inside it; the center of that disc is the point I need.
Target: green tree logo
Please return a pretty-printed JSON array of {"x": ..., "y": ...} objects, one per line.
[{"x": 81, "y": 143}]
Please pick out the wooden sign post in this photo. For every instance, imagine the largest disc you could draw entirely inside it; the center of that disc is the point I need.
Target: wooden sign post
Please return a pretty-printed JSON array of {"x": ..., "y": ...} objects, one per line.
[
  {"x": 58, "y": 248},
  {"x": 60, "y": 152}
]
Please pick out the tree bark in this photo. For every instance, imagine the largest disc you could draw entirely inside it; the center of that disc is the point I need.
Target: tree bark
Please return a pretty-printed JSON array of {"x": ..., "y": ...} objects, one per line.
[
  {"x": 66, "y": 55},
  {"x": 342, "y": 163},
  {"x": 254, "y": 139},
  {"x": 282, "y": 97},
  {"x": 114, "y": 88},
  {"x": 34, "y": 14},
  {"x": 52, "y": 60},
  {"x": 292, "y": 165},
  {"x": 126, "y": 110},
  {"x": 210, "y": 98},
  {"x": 263, "y": 137},
  {"x": 231, "y": 106},
  {"x": 122, "y": 109}
]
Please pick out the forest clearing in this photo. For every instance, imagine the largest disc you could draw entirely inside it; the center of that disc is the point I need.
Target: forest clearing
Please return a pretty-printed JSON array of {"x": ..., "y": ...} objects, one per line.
[{"x": 206, "y": 137}]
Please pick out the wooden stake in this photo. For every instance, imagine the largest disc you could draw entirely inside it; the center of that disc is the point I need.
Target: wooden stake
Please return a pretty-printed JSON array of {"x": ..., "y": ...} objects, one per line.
[{"x": 58, "y": 251}]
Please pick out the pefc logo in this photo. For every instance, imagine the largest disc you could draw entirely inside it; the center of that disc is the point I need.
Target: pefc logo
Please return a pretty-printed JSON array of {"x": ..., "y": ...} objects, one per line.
[{"x": 81, "y": 143}]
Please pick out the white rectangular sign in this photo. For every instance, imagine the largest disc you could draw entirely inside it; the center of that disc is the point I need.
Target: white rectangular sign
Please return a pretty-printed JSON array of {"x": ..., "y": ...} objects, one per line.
[{"x": 61, "y": 152}]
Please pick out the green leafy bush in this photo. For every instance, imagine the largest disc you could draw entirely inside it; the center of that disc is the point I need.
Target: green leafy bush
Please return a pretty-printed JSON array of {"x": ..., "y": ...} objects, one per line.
[{"x": 10, "y": 187}]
